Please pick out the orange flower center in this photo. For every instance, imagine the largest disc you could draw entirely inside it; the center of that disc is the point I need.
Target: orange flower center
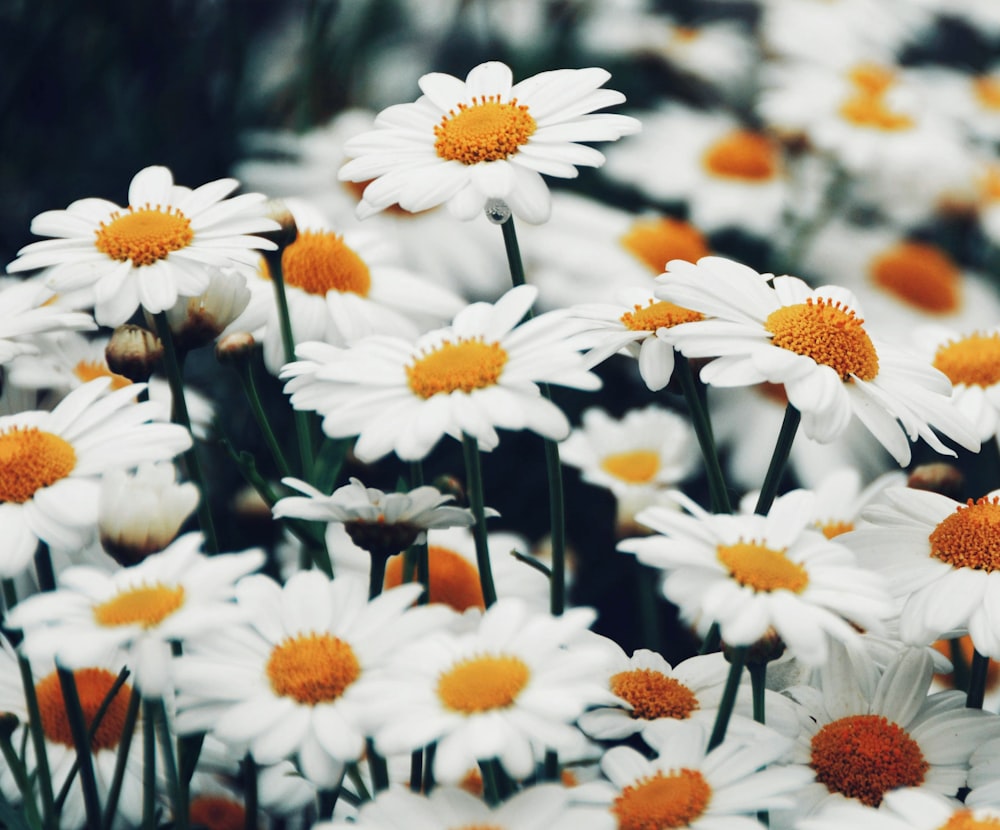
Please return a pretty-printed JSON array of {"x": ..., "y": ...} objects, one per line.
[
  {"x": 974, "y": 360},
  {"x": 144, "y": 235},
  {"x": 319, "y": 262},
  {"x": 454, "y": 579},
  {"x": 970, "y": 537},
  {"x": 634, "y": 466},
  {"x": 834, "y": 527},
  {"x": 479, "y": 684},
  {"x": 216, "y": 812},
  {"x": 657, "y": 241},
  {"x": 146, "y": 605},
  {"x": 92, "y": 687},
  {"x": 987, "y": 91},
  {"x": 31, "y": 459},
  {"x": 827, "y": 332},
  {"x": 312, "y": 668},
  {"x": 659, "y": 314},
  {"x": 871, "y": 79},
  {"x": 87, "y": 370},
  {"x": 919, "y": 274},
  {"x": 662, "y": 801},
  {"x": 462, "y": 366},
  {"x": 762, "y": 568},
  {"x": 966, "y": 820},
  {"x": 865, "y": 756},
  {"x": 866, "y": 106},
  {"x": 653, "y": 695},
  {"x": 485, "y": 130},
  {"x": 743, "y": 155}
]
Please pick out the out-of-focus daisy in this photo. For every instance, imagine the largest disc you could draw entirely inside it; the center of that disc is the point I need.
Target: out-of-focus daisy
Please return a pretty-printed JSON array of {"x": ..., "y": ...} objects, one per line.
[
  {"x": 540, "y": 807},
  {"x": 339, "y": 287},
  {"x": 840, "y": 498},
  {"x": 164, "y": 244},
  {"x": 907, "y": 808},
  {"x": 517, "y": 682},
  {"x": 172, "y": 596},
  {"x": 973, "y": 99},
  {"x": 296, "y": 679},
  {"x": 24, "y": 312},
  {"x": 900, "y": 282},
  {"x": 729, "y": 175},
  {"x": 813, "y": 341},
  {"x": 938, "y": 557},
  {"x": 752, "y": 573},
  {"x": 866, "y": 734},
  {"x": 51, "y": 465},
  {"x": 479, "y": 374},
  {"x": 634, "y": 457},
  {"x": 466, "y": 142},
  {"x": 686, "y": 785}
]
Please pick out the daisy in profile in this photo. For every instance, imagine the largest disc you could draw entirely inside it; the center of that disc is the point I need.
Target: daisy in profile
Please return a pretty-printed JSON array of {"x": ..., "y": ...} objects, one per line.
[
  {"x": 51, "y": 464},
  {"x": 24, "y": 313},
  {"x": 751, "y": 573},
  {"x": 162, "y": 245},
  {"x": 814, "y": 342},
  {"x": 295, "y": 679},
  {"x": 867, "y": 733},
  {"x": 687, "y": 785},
  {"x": 172, "y": 596},
  {"x": 466, "y": 142},
  {"x": 473, "y": 377},
  {"x": 938, "y": 557},
  {"x": 514, "y": 684}
]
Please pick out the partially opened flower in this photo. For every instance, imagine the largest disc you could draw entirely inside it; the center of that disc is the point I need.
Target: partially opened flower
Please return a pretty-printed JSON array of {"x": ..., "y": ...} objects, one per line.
[
  {"x": 473, "y": 377},
  {"x": 466, "y": 142},
  {"x": 162, "y": 245}
]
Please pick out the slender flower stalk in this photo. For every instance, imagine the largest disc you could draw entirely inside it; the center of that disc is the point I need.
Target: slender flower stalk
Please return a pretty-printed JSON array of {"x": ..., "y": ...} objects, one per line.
[
  {"x": 249, "y": 793},
  {"x": 474, "y": 482},
  {"x": 128, "y": 731},
  {"x": 977, "y": 680},
  {"x": 81, "y": 739},
  {"x": 776, "y": 469},
  {"x": 43, "y": 568},
  {"x": 162, "y": 730},
  {"x": 148, "y": 765},
  {"x": 737, "y": 660},
  {"x": 42, "y": 772},
  {"x": 244, "y": 369},
  {"x": 20, "y": 774}
]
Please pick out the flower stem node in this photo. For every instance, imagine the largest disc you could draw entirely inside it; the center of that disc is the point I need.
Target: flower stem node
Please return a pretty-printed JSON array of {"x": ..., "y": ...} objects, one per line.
[
  {"x": 133, "y": 351},
  {"x": 235, "y": 348},
  {"x": 939, "y": 477},
  {"x": 8, "y": 723}
]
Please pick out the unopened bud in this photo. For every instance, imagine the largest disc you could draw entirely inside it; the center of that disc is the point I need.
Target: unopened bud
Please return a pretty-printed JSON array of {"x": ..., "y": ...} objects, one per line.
[
  {"x": 235, "y": 348},
  {"x": 277, "y": 210},
  {"x": 938, "y": 477},
  {"x": 133, "y": 352}
]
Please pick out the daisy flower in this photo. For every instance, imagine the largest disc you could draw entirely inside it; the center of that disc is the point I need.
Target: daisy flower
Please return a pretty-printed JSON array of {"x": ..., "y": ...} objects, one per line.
[
  {"x": 51, "y": 464},
  {"x": 686, "y": 785},
  {"x": 466, "y": 142},
  {"x": 841, "y": 499},
  {"x": 938, "y": 557},
  {"x": 752, "y": 573},
  {"x": 173, "y": 596},
  {"x": 813, "y": 341},
  {"x": 479, "y": 374},
  {"x": 198, "y": 321},
  {"x": 729, "y": 175},
  {"x": 514, "y": 684},
  {"x": 866, "y": 733},
  {"x": 24, "y": 312},
  {"x": 296, "y": 679},
  {"x": 907, "y": 808},
  {"x": 164, "y": 244}
]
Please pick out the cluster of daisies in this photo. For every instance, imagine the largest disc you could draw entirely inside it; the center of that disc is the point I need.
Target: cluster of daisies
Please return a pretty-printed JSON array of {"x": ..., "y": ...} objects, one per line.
[{"x": 389, "y": 658}]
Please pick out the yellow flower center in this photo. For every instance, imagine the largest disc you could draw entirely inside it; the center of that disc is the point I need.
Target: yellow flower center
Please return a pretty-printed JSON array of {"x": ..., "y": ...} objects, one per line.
[
  {"x": 974, "y": 360},
  {"x": 870, "y": 78},
  {"x": 659, "y": 314},
  {"x": 87, "y": 370},
  {"x": 827, "y": 332},
  {"x": 31, "y": 459},
  {"x": 147, "y": 605},
  {"x": 479, "y": 684},
  {"x": 319, "y": 262},
  {"x": 92, "y": 687},
  {"x": 144, "y": 235},
  {"x": 657, "y": 241},
  {"x": 871, "y": 110},
  {"x": 654, "y": 695},
  {"x": 312, "y": 668},
  {"x": 865, "y": 756},
  {"x": 662, "y": 801},
  {"x": 762, "y": 568},
  {"x": 989, "y": 184},
  {"x": 485, "y": 130},
  {"x": 966, "y": 820},
  {"x": 215, "y": 812},
  {"x": 743, "y": 155},
  {"x": 462, "y": 366},
  {"x": 454, "y": 579},
  {"x": 834, "y": 527},
  {"x": 635, "y": 466},
  {"x": 970, "y": 537},
  {"x": 919, "y": 274},
  {"x": 987, "y": 91}
]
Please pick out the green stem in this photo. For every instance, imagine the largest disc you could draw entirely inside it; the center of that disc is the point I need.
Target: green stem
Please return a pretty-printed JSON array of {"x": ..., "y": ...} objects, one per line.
[
  {"x": 43, "y": 568},
  {"x": 712, "y": 640},
  {"x": 21, "y": 779},
  {"x": 737, "y": 660},
  {"x": 179, "y": 415},
  {"x": 250, "y": 793},
  {"x": 491, "y": 788},
  {"x": 148, "y": 766},
  {"x": 42, "y": 771},
  {"x": 513, "y": 252},
  {"x": 960, "y": 666},
  {"x": 378, "y": 768},
  {"x": 977, "y": 680},
  {"x": 776, "y": 469},
  {"x": 429, "y": 782},
  {"x": 474, "y": 483},
  {"x": 170, "y": 762},
  {"x": 131, "y": 716},
  {"x": 376, "y": 576},
  {"x": 359, "y": 783},
  {"x": 416, "y": 770},
  {"x": 9, "y": 594},
  {"x": 758, "y": 685},
  {"x": 81, "y": 740},
  {"x": 245, "y": 370},
  {"x": 648, "y": 596},
  {"x": 416, "y": 559},
  {"x": 718, "y": 493}
]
